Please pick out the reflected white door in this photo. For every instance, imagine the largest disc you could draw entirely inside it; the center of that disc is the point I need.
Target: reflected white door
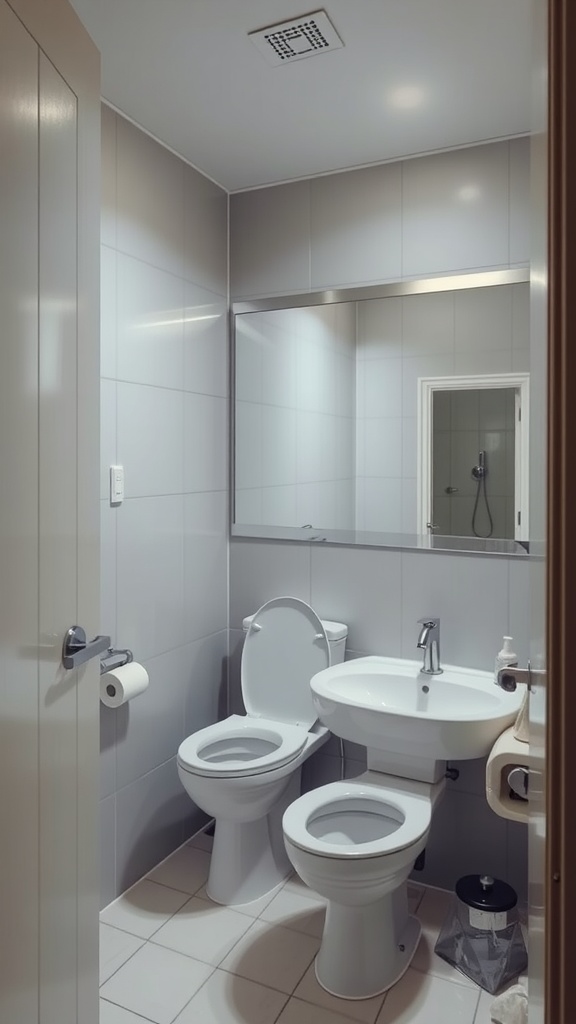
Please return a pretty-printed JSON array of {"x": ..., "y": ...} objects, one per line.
[{"x": 48, "y": 531}]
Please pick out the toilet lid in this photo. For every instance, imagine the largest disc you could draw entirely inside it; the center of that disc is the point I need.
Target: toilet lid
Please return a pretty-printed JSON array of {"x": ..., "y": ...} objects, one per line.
[{"x": 286, "y": 645}]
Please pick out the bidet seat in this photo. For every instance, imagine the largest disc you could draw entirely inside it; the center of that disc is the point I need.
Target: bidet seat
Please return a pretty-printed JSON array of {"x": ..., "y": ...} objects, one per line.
[{"x": 356, "y": 820}]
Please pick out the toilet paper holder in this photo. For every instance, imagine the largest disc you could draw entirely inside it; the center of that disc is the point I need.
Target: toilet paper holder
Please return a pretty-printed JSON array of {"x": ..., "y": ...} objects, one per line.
[{"x": 114, "y": 658}]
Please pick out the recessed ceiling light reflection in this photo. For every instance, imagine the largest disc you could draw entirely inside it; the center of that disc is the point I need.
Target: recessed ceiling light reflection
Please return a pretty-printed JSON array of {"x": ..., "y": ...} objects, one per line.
[
  {"x": 468, "y": 193},
  {"x": 406, "y": 97}
]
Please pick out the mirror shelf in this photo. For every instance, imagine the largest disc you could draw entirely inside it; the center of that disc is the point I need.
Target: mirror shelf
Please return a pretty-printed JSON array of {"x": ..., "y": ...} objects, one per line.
[{"x": 333, "y": 431}]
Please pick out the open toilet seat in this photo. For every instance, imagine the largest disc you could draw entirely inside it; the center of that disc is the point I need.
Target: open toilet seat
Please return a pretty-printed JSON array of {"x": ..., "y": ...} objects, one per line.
[
  {"x": 357, "y": 819},
  {"x": 241, "y": 746}
]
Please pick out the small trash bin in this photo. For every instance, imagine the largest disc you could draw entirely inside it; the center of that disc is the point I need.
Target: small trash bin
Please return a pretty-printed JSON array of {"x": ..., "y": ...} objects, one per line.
[{"x": 481, "y": 935}]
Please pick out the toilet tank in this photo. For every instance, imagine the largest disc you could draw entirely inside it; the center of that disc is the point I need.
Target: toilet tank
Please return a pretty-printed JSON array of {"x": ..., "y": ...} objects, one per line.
[{"x": 336, "y": 633}]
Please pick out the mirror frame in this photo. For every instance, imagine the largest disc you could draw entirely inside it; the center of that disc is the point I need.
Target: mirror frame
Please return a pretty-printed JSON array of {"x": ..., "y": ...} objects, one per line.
[{"x": 417, "y": 286}]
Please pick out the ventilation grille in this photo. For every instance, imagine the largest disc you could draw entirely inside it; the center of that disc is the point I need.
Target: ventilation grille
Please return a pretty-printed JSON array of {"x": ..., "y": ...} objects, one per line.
[{"x": 294, "y": 40}]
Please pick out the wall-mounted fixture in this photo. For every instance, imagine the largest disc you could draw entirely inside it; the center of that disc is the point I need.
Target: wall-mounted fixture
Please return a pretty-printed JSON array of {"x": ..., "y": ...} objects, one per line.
[{"x": 330, "y": 431}]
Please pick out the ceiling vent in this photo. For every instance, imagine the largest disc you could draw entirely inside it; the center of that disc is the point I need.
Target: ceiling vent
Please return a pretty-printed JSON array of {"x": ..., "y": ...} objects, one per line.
[{"x": 288, "y": 41}]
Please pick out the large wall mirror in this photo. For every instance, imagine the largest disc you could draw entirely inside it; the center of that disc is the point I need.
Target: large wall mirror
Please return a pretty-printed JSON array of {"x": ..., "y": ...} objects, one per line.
[{"x": 394, "y": 415}]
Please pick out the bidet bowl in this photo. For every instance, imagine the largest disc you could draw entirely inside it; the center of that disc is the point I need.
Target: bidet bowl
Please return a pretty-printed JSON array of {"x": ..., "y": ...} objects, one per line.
[{"x": 389, "y": 704}]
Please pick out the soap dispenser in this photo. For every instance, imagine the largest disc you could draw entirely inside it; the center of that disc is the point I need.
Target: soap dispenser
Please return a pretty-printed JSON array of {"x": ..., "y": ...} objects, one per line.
[{"x": 505, "y": 657}]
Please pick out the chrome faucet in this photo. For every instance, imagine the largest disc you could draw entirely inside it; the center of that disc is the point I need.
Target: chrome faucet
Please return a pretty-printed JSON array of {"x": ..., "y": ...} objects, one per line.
[{"x": 429, "y": 642}]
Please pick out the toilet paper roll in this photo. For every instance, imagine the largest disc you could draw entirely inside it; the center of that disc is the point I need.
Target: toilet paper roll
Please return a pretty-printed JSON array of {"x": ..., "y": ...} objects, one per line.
[
  {"x": 506, "y": 754},
  {"x": 122, "y": 684}
]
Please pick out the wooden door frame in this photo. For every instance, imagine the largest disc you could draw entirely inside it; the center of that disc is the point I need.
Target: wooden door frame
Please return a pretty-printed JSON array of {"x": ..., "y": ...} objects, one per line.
[{"x": 560, "y": 887}]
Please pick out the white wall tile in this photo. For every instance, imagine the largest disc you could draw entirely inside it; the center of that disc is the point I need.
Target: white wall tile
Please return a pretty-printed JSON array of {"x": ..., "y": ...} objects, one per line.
[
  {"x": 150, "y": 585},
  {"x": 150, "y": 342},
  {"x": 205, "y": 443},
  {"x": 428, "y": 324},
  {"x": 150, "y": 439},
  {"x": 205, "y": 341},
  {"x": 205, "y": 669},
  {"x": 248, "y": 455},
  {"x": 466, "y": 363},
  {"x": 483, "y": 320},
  {"x": 279, "y": 446},
  {"x": 205, "y": 563},
  {"x": 107, "y": 751},
  {"x": 355, "y": 226},
  {"x": 520, "y": 611},
  {"x": 520, "y": 207},
  {"x": 270, "y": 240},
  {"x": 150, "y": 816},
  {"x": 248, "y": 506},
  {"x": 150, "y": 196},
  {"x": 468, "y": 593},
  {"x": 383, "y": 504},
  {"x": 455, "y": 211},
  {"x": 261, "y": 570},
  {"x": 380, "y": 387},
  {"x": 383, "y": 446},
  {"x": 379, "y": 328},
  {"x": 107, "y": 433},
  {"x": 151, "y": 727},
  {"x": 205, "y": 232},
  {"x": 521, "y": 317},
  {"x": 279, "y": 505},
  {"x": 108, "y": 325},
  {"x": 361, "y": 587}
]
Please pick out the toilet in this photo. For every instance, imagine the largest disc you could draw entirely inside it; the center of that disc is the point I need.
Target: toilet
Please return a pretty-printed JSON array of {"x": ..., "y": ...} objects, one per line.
[
  {"x": 245, "y": 771},
  {"x": 355, "y": 842}
]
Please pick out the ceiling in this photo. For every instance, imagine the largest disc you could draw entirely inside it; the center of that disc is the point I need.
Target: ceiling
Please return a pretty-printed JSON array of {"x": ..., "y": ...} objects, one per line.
[{"x": 414, "y": 76}]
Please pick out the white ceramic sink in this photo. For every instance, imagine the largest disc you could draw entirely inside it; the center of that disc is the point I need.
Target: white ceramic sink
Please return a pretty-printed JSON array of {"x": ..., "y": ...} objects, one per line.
[{"x": 389, "y": 704}]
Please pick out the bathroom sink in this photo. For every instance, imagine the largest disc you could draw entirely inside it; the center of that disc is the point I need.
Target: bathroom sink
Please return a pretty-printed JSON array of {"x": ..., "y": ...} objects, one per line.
[{"x": 389, "y": 704}]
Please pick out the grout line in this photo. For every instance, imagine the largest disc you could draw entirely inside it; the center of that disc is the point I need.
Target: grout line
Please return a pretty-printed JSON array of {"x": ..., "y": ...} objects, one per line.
[
  {"x": 124, "y": 962},
  {"x": 120, "y": 1005}
]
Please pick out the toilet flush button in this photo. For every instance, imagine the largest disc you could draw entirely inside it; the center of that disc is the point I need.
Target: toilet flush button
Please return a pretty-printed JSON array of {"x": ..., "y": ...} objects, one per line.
[{"x": 116, "y": 485}]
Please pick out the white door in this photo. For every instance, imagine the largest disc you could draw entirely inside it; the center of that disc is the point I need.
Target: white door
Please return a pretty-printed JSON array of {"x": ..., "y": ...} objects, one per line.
[{"x": 49, "y": 581}]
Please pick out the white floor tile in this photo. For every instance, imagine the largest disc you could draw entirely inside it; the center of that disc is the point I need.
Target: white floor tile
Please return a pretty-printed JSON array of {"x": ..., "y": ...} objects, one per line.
[
  {"x": 272, "y": 956},
  {"x": 415, "y": 894},
  {"x": 201, "y": 842},
  {"x": 423, "y": 999},
  {"x": 116, "y": 948},
  {"x": 299, "y": 1012},
  {"x": 156, "y": 983},
  {"x": 295, "y": 884},
  {"x": 483, "y": 1009},
  {"x": 364, "y": 1010},
  {"x": 433, "y": 908},
  {"x": 144, "y": 908},
  {"x": 112, "y": 1014},
  {"x": 432, "y": 911},
  {"x": 253, "y": 909},
  {"x": 186, "y": 869},
  {"x": 228, "y": 999},
  {"x": 292, "y": 910},
  {"x": 203, "y": 930}
]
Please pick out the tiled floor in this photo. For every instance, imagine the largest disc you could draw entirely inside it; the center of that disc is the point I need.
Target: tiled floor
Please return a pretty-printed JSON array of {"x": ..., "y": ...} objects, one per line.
[{"x": 170, "y": 956}]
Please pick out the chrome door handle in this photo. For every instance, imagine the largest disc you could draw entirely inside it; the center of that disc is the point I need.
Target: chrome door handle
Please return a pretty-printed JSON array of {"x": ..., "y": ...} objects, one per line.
[{"x": 75, "y": 650}]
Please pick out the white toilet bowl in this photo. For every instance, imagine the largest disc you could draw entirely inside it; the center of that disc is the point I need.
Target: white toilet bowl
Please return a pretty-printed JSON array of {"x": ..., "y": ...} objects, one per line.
[
  {"x": 245, "y": 770},
  {"x": 355, "y": 843}
]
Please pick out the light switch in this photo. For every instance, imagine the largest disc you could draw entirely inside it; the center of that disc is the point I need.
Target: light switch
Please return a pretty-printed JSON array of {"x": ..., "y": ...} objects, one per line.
[{"x": 116, "y": 485}]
